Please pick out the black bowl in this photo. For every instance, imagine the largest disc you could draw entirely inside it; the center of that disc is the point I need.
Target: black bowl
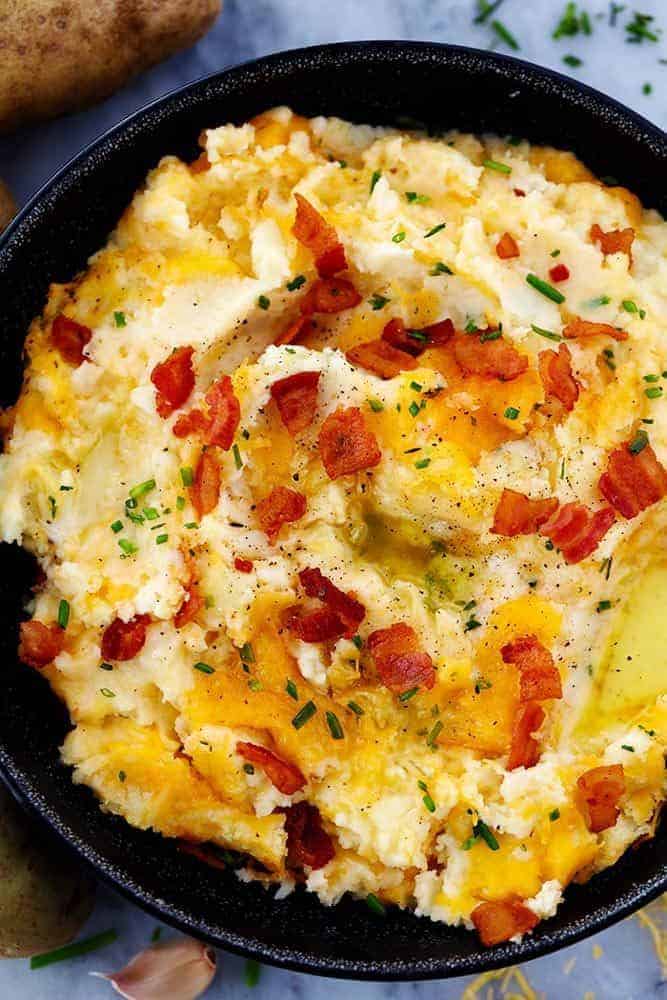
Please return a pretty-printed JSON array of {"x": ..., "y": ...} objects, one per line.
[{"x": 399, "y": 83}]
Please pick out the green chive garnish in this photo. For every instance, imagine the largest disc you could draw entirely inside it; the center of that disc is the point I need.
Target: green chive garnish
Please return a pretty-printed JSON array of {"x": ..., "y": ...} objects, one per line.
[
  {"x": 304, "y": 714},
  {"x": 471, "y": 624},
  {"x": 630, "y": 306},
  {"x": 73, "y": 950},
  {"x": 353, "y": 707},
  {"x": 374, "y": 904},
  {"x": 358, "y": 641},
  {"x": 106, "y": 666},
  {"x": 549, "y": 334},
  {"x": 248, "y": 768},
  {"x": 186, "y": 476},
  {"x": 422, "y": 463},
  {"x": 161, "y": 539},
  {"x": 63, "y": 613},
  {"x": 428, "y": 802},
  {"x": 433, "y": 735},
  {"x": 487, "y": 835},
  {"x": 545, "y": 288},
  {"x": 375, "y": 405},
  {"x": 334, "y": 725},
  {"x": 601, "y": 300},
  {"x": 253, "y": 970},
  {"x": 238, "y": 461},
  {"x": 107, "y": 692},
  {"x": 398, "y": 237},
  {"x": 116, "y": 527},
  {"x": 263, "y": 302},
  {"x": 440, "y": 268},
  {"x": 436, "y": 229},
  {"x": 246, "y": 653},
  {"x": 141, "y": 489},
  {"x": 290, "y": 687},
  {"x": 417, "y": 199},
  {"x": 626, "y": 746},
  {"x": 128, "y": 547},
  {"x": 501, "y": 168},
  {"x": 407, "y": 695},
  {"x": 413, "y": 408},
  {"x": 505, "y": 35},
  {"x": 254, "y": 684},
  {"x": 375, "y": 177},
  {"x": 119, "y": 319},
  {"x": 180, "y": 503},
  {"x": 554, "y": 815},
  {"x": 150, "y": 513},
  {"x": 511, "y": 413},
  {"x": 603, "y": 606},
  {"x": 204, "y": 668},
  {"x": 296, "y": 283},
  {"x": 378, "y": 301},
  {"x": 638, "y": 443},
  {"x": 653, "y": 393}
]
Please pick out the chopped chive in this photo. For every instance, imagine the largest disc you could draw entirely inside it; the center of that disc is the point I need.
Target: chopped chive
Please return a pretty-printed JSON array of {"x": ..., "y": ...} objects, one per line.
[
  {"x": 116, "y": 527},
  {"x": 482, "y": 685},
  {"x": 471, "y": 624},
  {"x": 422, "y": 463},
  {"x": 378, "y": 301},
  {"x": 554, "y": 815},
  {"x": 119, "y": 319},
  {"x": 107, "y": 692},
  {"x": 358, "y": 641},
  {"x": 375, "y": 177},
  {"x": 375, "y": 405},
  {"x": 413, "y": 408},
  {"x": 653, "y": 393},
  {"x": 253, "y": 971},
  {"x": 156, "y": 527},
  {"x": 248, "y": 768},
  {"x": 63, "y": 613},
  {"x": 487, "y": 835},
  {"x": 296, "y": 283},
  {"x": 353, "y": 707},
  {"x": 630, "y": 306},
  {"x": 469, "y": 842},
  {"x": 418, "y": 335},
  {"x": 191, "y": 525},
  {"x": 398, "y": 237},
  {"x": 603, "y": 606},
  {"x": 106, "y": 666},
  {"x": 135, "y": 518},
  {"x": 374, "y": 904},
  {"x": 141, "y": 489},
  {"x": 128, "y": 547},
  {"x": 601, "y": 300},
  {"x": 440, "y": 268},
  {"x": 545, "y": 288},
  {"x": 416, "y": 386},
  {"x": 122, "y": 776},
  {"x": 501, "y": 168},
  {"x": 73, "y": 950},
  {"x": 407, "y": 695},
  {"x": 290, "y": 687},
  {"x": 204, "y": 668},
  {"x": 436, "y": 229},
  {"x": 651, "y": 378},
  {"x": 263, "y": 302},
  {"x": 490, "y": 335},
  {"x": 254, "y": 684},
  {"x": 417, "y": 199},
  {"x": 304, "y": 714},
  {"x": 238, "y": 461},
  {"x": 428, "y": 802},
  {"x": 640, "y": 29},
  {"x": 471, "y": 326},
  {"x": 66, "y": 489},
  {"x": 638, "y": 443},
  {"x": 186, "y": 476},
  {"x": 505, "y": 35},
  {"x": 555, "y": 253},
  {"x": 573, "y": 61},
  {"x": 511, "y": 413},
  {"x": 180, "y": 503},
  {"x": 433, "y": 735},
  {"x": 246, "y": 653},
  {"x": 161, "y": 539},
  {"x": 334, "y": 725},
  {"x": 150, "y": 513},
  {"x": 54, "y": 507},
  {"x": 626, "y": 746}
]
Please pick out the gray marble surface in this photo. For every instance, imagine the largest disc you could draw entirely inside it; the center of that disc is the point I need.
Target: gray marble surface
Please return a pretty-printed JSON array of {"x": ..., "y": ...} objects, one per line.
[{"x": 626, "y": 962}]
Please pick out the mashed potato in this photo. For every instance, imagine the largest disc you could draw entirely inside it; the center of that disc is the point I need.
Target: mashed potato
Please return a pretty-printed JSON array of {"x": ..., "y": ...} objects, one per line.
[{"x": 344, "y": 465}]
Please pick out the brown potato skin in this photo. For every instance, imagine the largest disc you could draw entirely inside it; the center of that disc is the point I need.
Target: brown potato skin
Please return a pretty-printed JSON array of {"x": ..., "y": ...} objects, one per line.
[
  {"x": 60, "y": 55},
  {"x": 7, "y": 205},
  {"x": 46, "y": 896}
]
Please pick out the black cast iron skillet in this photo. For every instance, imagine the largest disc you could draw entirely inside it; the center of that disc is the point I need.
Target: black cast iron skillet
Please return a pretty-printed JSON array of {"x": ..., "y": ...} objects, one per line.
[{"x": 397, "y": 83}]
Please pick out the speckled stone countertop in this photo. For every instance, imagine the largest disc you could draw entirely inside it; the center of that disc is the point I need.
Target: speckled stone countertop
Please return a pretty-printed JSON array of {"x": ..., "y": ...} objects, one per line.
[{"x": 629, "y": 961}]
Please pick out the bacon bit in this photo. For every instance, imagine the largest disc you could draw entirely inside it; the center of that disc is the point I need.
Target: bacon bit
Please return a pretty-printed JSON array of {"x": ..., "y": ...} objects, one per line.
[
  {"x": 557, "y": 378},
  {"x": 206, "y": 487},
  {"x": 576, "y": 530},
  {"x": 243, "y": 565},
  {"x": 539, "y": 678},
  {"x": 296, "y": 399},
  {"x": 524, "y": 749},
  {"x": 519, "y": 192},
  {"x": 507, "y": 247},
  {"x": 398, "y": 659},
  {"x": 614, "y": 241},
  {"x": 346, "y": 444},
  {"x": 489, "y": 358},
  {"x": 438, "y": 334},
  {"x": 584, "y": 328},
  {"x": 350, "y": 611},
  {"x": 287, "y": 778},
  {"x": 559, "y": 273},
  {"x": 321, "y": 625},
  {"x": 281, "y": 506},
  {"x": 224, "y": 413},
  {"x": 330, "y": 295},
  {"x": 174, "y": 380},
  {"x": 517, "y": 514},
  {"x": 633, "y": 482},
  {"x": 193, "y": 422},
  {"x": 299, "y": 328},
  {"x": 70, "y": 338},
  {"x": 397, "y": 334},
  {"x": 191, "y": 606},
  {"x": 501, "y": 920},
  {"x": 39, "y": 643},
  {"x": 123, "y": 640},
  {"x": 381, "y": 358},
  {"x": 314, "y": 232},
  {"x": 601, "y": 789},
  {"x": 308, "y": 843}
]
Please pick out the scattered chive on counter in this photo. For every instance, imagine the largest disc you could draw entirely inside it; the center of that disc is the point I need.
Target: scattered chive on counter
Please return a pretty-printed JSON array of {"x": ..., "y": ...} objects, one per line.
[{"x": 74, "y": 950}]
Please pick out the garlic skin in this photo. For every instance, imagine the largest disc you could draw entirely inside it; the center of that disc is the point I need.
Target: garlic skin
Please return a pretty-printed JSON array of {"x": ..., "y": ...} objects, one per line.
[{"x": 181, "y": 969}]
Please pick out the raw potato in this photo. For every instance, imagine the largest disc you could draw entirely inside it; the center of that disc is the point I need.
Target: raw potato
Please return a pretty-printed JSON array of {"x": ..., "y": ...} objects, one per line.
[
  {"x": 58, "y": 56},
  {"x": 45, "y": 896},
  {"x": 7, "y": 206}
]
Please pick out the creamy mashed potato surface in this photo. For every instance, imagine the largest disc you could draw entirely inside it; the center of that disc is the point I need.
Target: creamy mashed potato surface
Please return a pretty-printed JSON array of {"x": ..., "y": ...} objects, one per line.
[{"x": 343, "y": 462}]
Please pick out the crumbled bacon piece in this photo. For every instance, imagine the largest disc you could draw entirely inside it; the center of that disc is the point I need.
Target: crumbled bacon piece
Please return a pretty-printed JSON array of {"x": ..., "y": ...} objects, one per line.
[
  {"x": 585, "y": 328},
  {"x": 286, "y": 777},
  {"x": 123, "y": 640},
  {"x": 330, "y": 295},
  {"x": 191, "y": 606},
  {"x": 70, "y": 338},
  {"x": 507, "y": 247},
  {"x": 398, "y": 659},
  {"x": 314, "y": 232},
  {"x": 379, "y": 357},
  {"x": 559, "y": 273},
  {"x": 40, "y": 643},
  {"x": 224, "y": 413},
  {"x": 633, "y": 481},
  {"x": 576, "y": 530},
  {"x": 557, "y": 378},
  {"x": 320, "y": 625},
  {"x": 346, "y": 444},
  {"x": 299, "y": 328},
  {"x": 174, "y": 380},
  {"x": 601, "y": 788},
  {"x": 205, "y": 489},
  {"x": 519, "y": 192},
  {"x": 614, "y": 241},
  {"x": 539, "y": 678},
  {"x": 281, "y": 506},
  {"x": 308, "y": 843},
  {"x": 437, "y": 334},
  {"x": 415, "y": 342},
  {"x": 350, "y": 611},
  {"x": 296, "y": 399},
  {"x": 501, "y": 920},
  {"x": 524, "y": 749},
  {"x": 517, "y": 514},
  {"x": 243, "y": 565},
  {"x": 477, "y": 355}
]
